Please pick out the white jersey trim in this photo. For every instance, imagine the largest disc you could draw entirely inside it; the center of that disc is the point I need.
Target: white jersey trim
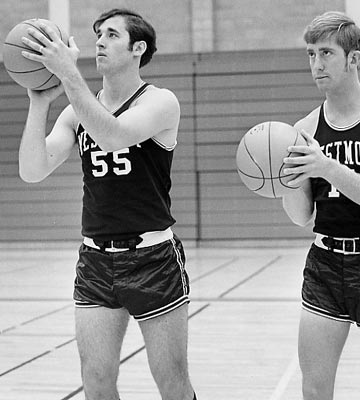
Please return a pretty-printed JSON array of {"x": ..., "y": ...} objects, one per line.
[
  {"x": 336, "y": 127},
  {"x": 164, "y": 146}
]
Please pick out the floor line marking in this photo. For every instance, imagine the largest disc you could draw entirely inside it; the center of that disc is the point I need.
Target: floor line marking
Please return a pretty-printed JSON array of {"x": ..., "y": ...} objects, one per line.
[{"x": 285, "y": 379}]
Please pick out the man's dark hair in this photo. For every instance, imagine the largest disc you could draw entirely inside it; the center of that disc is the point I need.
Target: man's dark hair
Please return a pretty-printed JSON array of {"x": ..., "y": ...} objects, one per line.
[{"x": 138, "y": 28}]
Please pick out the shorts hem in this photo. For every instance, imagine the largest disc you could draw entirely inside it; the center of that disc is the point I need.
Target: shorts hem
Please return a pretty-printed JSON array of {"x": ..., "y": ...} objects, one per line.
[
  {"x": 324, "y": 313},
  {"x": 163, "y": 310},
  {"x": 85, "y": 304}
]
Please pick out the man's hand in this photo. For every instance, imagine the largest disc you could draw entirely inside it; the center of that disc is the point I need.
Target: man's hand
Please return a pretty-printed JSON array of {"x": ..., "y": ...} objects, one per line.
[
  {"x": 312, "y": 164},
  {"x": 57, "y": 57},
  {"x": 45, "y": 97}
]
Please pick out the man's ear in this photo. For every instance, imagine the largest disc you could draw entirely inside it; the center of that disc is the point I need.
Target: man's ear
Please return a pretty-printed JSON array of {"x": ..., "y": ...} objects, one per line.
[
  {"x": 354, "y": 58},
  {"x": 140, "y": 47}
]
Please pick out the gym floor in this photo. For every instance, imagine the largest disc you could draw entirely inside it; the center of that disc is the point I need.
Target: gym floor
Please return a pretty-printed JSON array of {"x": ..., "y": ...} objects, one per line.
[{"x": 242, "y": 329}]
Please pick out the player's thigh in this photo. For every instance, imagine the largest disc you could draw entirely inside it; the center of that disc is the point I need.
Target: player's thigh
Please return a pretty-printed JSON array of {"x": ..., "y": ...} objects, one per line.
[
  {"x": 100, "y": 332},
  {"x": 321, "y": 341},
  {"x": 166, "y": 339}
]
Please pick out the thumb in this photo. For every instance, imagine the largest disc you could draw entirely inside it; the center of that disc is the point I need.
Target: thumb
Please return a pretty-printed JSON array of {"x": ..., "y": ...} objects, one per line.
[
  {"x": 306, "y": 136},
  {"x": 72, "y": 43}
]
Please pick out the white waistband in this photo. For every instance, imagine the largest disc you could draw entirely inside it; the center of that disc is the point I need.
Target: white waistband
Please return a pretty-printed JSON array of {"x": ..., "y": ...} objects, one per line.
[
  {"x": 319, "y": 243},
  {"x": 148, "y": 239}
]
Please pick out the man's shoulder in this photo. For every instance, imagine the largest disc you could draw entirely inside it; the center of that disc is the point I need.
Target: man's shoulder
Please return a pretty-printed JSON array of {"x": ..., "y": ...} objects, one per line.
[
  {"x": 161, "y": 99},
  {"x": 159, "y": 92},
  {"x": 310, "y": 122},
  {"x": 69, "y": 117}
]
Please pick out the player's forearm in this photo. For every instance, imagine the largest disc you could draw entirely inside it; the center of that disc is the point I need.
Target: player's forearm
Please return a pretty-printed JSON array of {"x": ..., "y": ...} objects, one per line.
[
  {"x": 299, "y": 205},
  {"x": 344, "y": 179},
  {"x": 33, "y": 165},
  {"x": 96, "y": 120}
]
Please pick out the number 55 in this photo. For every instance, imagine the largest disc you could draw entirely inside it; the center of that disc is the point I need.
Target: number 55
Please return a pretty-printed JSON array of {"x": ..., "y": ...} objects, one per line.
[{"x": 98, "y": 161}]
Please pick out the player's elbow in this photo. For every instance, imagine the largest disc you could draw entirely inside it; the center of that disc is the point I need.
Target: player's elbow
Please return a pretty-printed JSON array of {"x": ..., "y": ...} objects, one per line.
[
  {"x": 299, "y": 214},
  {"x": 300, "y": 217},
  {"x": 108, "y": 147},
  {"x": 29, "y": 176},
  {"x": 111, "y": 144},
  {"x": 300, "y": 221}
]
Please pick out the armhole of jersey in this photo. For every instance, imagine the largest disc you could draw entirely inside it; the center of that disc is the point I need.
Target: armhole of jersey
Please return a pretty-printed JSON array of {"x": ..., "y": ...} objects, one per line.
[
  {"x": 78, "y": 130},
  {"x": 320, "y": 119},
  {"x": 157, "y": 141},
  {"x": 164, "y": 146}
]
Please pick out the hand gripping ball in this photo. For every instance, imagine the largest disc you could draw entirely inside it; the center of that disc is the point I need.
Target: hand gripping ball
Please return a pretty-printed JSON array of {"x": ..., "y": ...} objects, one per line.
[
  {"x": 28, "y": 73},
  {"x": 260, "y": 158}
]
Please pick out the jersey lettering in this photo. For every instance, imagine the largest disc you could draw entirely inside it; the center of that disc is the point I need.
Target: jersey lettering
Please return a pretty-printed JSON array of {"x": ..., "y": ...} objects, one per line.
[
  {"x": 348, "y": 151},
  {"x": 85, "y": 142},
  {"x": 334, "y": 192}
]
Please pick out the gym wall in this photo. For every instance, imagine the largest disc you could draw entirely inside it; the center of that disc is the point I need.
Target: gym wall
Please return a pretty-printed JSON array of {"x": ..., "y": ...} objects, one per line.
[
  {"x": 222, "y": 95},
  {"x": 231, "y": 66},
  {"x": 185, "y": 26}
]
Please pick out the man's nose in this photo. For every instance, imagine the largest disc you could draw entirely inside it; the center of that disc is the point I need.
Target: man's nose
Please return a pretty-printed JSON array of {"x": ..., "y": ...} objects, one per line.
[
  {"x": 318, "y": 64},
  {"x": 100, "y": 43}
]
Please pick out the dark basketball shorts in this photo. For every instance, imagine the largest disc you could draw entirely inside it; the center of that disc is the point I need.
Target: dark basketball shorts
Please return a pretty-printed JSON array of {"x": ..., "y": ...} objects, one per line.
[
  {"x": 331, "y": 285},
  {"x": 148, "y": 281}
]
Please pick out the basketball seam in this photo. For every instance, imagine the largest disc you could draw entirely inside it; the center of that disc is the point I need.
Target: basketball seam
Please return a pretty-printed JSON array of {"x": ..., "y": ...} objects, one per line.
[
  {"x": 38, "y": 29},
  {"x": 21, "y": 47},
  {"x": 42, "y": 31},
  {"x": 44, "y": 83},
  {"x": 27, "y": 49},
  {"x": 254, "y": 161},
  {"x": 25, "y": 72},
  {"x": 270, "y": 166},
  {"x": 288, "y": 155}
]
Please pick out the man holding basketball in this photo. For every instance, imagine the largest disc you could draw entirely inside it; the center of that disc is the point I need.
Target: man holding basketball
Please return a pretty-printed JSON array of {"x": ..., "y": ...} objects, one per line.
[
  {"x": 130, "y": 262},
  {"x": 329, "y": 173}
]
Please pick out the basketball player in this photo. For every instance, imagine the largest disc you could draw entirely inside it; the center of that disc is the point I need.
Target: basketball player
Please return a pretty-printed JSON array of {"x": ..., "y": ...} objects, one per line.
[
  {"x": 329, "y": 172},
  {"x": 130, "y": 262}
]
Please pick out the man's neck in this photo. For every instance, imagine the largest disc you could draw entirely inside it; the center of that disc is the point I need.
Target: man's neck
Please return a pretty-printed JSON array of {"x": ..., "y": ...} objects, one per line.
[
  {"x": 116, "y": 90},
  {"x": 343, "y": 108}
]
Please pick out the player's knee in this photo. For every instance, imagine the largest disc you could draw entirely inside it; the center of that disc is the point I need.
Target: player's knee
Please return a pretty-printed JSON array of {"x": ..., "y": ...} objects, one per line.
[
  {"x": 99, "y": 390},
  {"x": 316, "y": 390},
  {"x": 99, "y": 383},
  {"x": 176, "y": 370},
  {"x": 312, "y": 393},
  {"x": 173, "y": 381}
]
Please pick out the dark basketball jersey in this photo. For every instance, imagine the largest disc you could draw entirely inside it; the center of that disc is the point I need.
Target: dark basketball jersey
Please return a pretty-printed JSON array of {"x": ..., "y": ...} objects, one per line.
[
  {"x": 336, "y": 215},
  {"x": 125, "y": 192}
]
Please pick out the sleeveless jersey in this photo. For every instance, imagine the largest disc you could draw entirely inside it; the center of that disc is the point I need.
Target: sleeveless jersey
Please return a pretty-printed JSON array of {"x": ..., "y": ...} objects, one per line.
[
  {"x": 336, "y": 215},
  {"x": 125, "y": 192}
]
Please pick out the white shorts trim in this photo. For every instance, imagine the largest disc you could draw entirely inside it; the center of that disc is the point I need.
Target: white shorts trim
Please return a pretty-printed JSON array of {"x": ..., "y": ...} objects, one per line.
[{"x": 327, "y": 314}]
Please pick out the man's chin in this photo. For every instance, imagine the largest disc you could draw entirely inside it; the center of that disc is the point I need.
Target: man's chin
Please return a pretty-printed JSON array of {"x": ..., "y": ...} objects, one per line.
[
  {"x": 322, "y": 87},
  {"x": 100, "y": 67}
]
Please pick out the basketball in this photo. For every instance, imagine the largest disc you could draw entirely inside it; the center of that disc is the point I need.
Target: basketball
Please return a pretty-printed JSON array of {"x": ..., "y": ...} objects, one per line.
[
  {"x": 260, "y": 158},
  {"x": 28, "y": 73}
]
